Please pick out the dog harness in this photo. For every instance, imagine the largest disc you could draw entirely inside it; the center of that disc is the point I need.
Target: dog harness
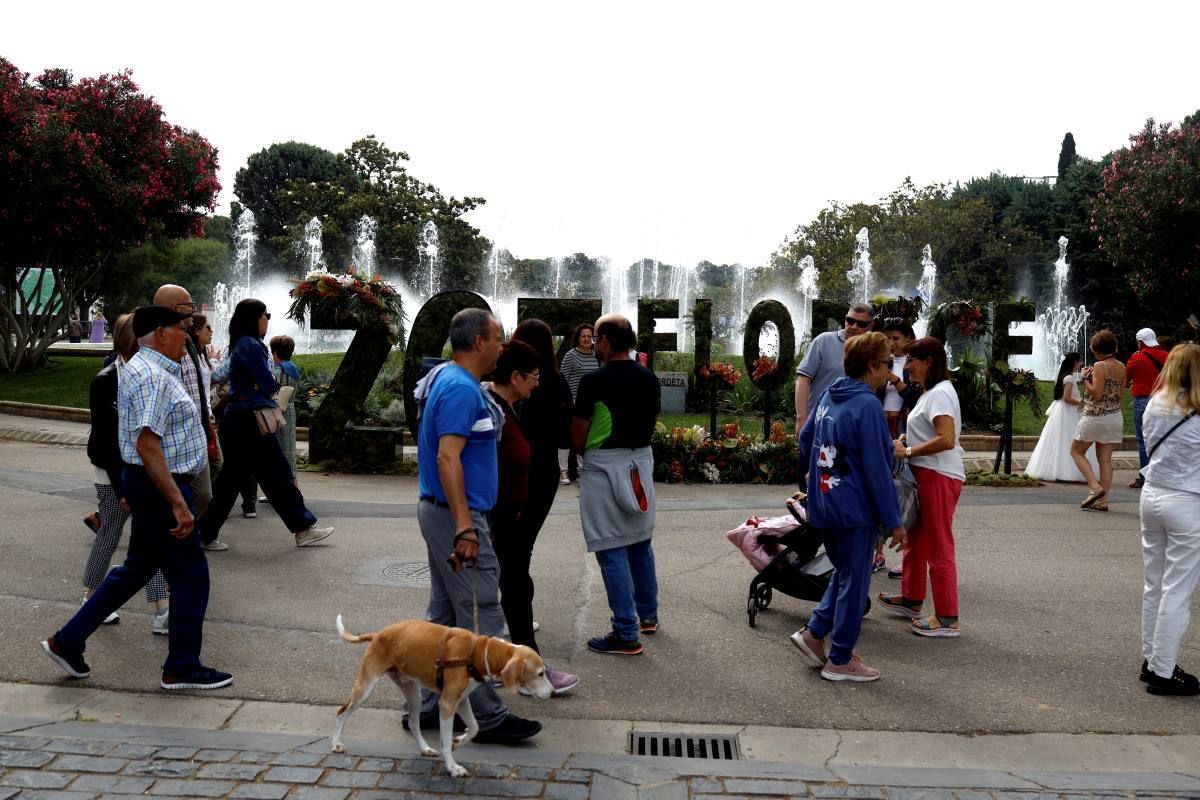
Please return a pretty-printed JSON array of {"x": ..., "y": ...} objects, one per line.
[{"x": 442, "y": 664}]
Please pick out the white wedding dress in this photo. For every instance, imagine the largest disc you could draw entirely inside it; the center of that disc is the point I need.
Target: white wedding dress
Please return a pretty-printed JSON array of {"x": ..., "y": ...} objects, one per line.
[{"x": 1051, "y": 459}]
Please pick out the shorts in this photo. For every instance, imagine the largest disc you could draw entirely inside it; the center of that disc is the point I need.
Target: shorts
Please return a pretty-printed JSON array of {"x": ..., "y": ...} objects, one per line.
[{"x": 1104, "y": 429}]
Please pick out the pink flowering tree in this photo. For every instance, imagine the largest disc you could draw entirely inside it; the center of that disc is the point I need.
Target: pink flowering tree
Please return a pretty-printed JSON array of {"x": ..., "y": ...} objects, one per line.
[
  {"x": 1147, "y": 217},
  {"x": 87, "y": 169}
]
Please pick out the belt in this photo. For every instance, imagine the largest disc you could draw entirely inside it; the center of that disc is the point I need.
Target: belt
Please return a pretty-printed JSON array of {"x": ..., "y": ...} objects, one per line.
[
  {"x": 184, "y": 477},
  {"x": 435, "y": 501}
]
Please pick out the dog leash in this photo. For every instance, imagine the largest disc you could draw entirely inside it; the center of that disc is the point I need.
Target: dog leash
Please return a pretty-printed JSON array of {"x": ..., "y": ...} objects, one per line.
[{"x": 475, "y": 594}]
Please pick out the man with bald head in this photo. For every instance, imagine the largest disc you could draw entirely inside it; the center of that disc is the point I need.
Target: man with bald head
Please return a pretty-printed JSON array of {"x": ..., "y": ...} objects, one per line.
[{"x": 179, "y": 299}]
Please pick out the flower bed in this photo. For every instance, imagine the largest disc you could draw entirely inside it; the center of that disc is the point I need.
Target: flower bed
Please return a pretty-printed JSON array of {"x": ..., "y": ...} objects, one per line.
[{"x": 690, "y": 455}]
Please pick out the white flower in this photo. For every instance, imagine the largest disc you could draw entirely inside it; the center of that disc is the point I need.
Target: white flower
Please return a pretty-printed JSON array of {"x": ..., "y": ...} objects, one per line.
[
  {"x": 711, "y": 472},
  {"x": 346, "y": 280},
  {"x": 317, "y": 274}
]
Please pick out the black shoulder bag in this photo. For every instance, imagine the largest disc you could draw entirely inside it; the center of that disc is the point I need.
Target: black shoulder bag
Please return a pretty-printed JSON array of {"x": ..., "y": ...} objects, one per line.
[{"x": 1174, "y": 428}]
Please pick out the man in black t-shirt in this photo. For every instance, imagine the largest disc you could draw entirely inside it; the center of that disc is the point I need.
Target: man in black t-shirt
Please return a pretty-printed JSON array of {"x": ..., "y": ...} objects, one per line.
[{"x": 615, "y": 412}]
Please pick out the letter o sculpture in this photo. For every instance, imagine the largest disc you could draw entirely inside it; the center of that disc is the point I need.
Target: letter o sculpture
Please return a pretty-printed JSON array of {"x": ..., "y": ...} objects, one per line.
[{"x": 770, "y": 311}]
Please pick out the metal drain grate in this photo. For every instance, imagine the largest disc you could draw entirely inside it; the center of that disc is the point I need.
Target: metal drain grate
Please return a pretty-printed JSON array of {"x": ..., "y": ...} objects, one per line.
[
  {"x": 407, "y": 573},
  {"x": 684, "y": 745}
]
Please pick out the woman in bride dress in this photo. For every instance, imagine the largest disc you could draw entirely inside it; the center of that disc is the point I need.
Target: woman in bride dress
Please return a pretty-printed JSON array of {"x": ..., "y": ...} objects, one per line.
[{"x": 1051, "y": 460}]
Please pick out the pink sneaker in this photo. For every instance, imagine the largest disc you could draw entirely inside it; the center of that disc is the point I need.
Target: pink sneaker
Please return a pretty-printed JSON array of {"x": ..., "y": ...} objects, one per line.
[
  {"x": 852, "y": 670},
  {"x": 812, "y": 647},
  {"x": 562, "y": 682}
]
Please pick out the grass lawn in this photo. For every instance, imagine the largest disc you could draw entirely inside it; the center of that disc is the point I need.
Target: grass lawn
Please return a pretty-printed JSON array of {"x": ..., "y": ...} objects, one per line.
[{"x": 62, "y": 382}]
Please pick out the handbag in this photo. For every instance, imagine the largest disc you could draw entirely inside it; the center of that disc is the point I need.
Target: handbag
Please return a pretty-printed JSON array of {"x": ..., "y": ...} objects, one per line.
[
  {"x": 270, "y": 420},
  {"x": 906, "y": 492}
]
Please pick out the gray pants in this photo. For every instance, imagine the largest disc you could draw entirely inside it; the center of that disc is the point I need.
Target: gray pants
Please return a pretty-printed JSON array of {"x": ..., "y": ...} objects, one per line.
[
  {"x": 202, "y": 490},
  {"x": 451, "y": 597}
]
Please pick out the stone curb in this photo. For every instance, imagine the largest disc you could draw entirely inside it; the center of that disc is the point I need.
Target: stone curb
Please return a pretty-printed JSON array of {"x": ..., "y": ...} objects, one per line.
[
  {"x": 42, "y": 437},
  {"x": 88, "y": 759}
]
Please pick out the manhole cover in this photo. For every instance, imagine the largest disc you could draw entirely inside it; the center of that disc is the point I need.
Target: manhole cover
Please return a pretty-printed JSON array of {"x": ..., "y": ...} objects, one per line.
[{"x": 393, "y": 572}]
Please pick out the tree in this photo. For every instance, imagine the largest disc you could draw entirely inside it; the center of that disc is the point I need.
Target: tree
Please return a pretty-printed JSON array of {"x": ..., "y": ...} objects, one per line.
[
  {"x": 197, "y": 264},
  {"x": 1066, "y": 155},
  {"x": 259, "y": 184},
  {"x": 90, "y": 168},
  {"x": 399, "y": 203},
  {"x": 1147, "y": 217}
]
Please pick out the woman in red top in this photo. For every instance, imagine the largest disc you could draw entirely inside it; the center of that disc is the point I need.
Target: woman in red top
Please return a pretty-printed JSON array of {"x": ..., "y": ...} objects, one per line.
[{"x": 516, "y": 375}]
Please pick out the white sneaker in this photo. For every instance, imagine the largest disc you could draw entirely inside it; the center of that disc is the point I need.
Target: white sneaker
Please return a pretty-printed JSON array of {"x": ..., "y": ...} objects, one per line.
[
  {"x": 216, "y": 545},
  {"x": 536, "y": 626},
  {"x": 250, "y": 514},
  {"x": 161, "y": 626},
  {"x": 111, "y": 619},
  {"x": 312, "y": 536}
]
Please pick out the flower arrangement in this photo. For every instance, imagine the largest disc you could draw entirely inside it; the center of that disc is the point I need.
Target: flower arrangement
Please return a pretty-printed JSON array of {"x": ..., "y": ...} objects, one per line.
[
  {"x": 1019, "y": 384},
  {"x": 718, "y": 374},
  {"x": 348, "y": 298},
  {"x": 966, "y": 316},
  {"x": 764, "y": 367},
  {"x": 688, "y": 455}
]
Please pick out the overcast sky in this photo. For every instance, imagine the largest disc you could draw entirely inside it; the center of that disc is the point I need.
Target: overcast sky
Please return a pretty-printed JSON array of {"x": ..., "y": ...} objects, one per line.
[{"x": 680, "y": 131}]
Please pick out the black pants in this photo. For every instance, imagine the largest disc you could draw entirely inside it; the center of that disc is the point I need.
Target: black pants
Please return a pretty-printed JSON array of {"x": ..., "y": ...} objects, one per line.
[
  {"x": 250, "y": 454},
  {"x": 514, "y": 540}
]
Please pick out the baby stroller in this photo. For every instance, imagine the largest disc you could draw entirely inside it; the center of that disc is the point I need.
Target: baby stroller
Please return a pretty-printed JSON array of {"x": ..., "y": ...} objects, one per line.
[{"x": 788, "y": 556}]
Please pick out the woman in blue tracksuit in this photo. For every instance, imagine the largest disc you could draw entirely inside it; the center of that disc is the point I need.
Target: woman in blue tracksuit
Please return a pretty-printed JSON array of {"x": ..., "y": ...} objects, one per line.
[{"x": 847, "y": 452}]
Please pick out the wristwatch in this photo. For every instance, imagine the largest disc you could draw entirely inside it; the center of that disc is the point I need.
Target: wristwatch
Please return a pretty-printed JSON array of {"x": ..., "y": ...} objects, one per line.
[{"x": 908, "y": 452}]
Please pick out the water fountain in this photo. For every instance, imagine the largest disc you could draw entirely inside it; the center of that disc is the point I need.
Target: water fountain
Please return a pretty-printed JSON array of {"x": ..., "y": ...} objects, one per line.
[
  {"x": 926, "y": 288},
  {"x": 616, "y": 288},
  {"x": 428, "y": 255},
  {"x": 245, "y": 237},
  {"x": 362, "y": 256},
  {"x": 556, "y": 265},
  {"x": 313, "y": 249},
  {"x": 1061, "y": 324},
  {"x": 862, "y": 280},
  {"x": 808, "y": 292}
]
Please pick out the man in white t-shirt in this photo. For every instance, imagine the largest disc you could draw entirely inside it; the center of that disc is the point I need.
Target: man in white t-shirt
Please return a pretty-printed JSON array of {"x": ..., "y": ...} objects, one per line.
[{"x": 822, "y": 362}]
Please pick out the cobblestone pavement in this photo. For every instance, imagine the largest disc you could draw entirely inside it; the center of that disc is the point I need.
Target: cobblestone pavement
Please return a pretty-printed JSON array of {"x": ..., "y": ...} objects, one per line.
[{"x": 77, "y": 760}]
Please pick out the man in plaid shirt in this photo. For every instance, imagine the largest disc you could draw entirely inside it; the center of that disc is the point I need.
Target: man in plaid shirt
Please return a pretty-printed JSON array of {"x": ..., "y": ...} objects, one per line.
[{"x": 163, "y": 445}]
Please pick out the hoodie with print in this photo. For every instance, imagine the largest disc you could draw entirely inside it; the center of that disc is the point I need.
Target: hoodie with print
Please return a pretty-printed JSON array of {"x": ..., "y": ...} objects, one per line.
[{"x": 847, "y": 452}]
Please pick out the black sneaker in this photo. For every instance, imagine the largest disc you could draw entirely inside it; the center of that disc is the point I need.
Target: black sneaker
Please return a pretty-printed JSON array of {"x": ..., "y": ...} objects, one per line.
[
  {"x": 432, "y": 721},
  {"x": 1180, "y": 683},
  {"x": 201, "y": 678},
  {"x": 72, "y": 663},
  {"x": 512, "y": 729},
  {"x": 611, "y": 643},
  {"x": 1146, "y": 673}
]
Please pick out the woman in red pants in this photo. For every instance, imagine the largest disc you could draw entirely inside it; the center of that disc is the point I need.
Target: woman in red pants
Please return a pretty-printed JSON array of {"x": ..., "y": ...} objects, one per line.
[{"x": 936, "y": 458}]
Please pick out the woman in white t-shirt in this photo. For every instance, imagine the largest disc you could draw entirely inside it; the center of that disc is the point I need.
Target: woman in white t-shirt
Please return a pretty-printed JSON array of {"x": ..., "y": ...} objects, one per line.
[
  {"x": 1170, "y": 510},
  {"x": 933, "y": 452}
]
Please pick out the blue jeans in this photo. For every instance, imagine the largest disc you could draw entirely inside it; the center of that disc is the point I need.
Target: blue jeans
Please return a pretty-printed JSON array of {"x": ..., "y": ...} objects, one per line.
[
  {"x": 151, "y": 548},
  {"x": 631, "y": 584},
  {"x": 1139, "y": 408},
  {"x": 840, "y": 611}
]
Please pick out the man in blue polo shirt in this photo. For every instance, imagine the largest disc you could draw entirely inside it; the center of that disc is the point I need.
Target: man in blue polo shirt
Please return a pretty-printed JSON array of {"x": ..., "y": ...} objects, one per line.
[{"x": 458, "y": 473}]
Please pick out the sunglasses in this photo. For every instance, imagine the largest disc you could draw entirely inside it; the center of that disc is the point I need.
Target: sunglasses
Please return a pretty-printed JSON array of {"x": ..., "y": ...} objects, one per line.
[
  {"x": 858, "y": 323},
  {"x": 267, "y": 314},
  {"x": 891, "y": 320}
]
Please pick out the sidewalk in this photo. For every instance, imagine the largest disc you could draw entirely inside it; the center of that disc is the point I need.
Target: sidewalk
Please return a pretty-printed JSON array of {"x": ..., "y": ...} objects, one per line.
[{"x": 77, "y": 743}]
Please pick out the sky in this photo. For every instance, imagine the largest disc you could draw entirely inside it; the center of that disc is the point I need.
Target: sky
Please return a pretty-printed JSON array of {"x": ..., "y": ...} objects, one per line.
[{"x": 682, "y": 131}]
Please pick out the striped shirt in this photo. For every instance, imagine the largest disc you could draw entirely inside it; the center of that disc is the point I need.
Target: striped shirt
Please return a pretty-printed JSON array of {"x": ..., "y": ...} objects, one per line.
[
  {"x": 575, "y": 365},
  {"x": 151, "y": 395}
]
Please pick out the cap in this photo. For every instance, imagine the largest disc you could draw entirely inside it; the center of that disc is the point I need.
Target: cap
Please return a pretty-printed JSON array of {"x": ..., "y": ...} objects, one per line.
[
  {"x": 147, "y": 318},
  {"x": 1147, "y": 335}
]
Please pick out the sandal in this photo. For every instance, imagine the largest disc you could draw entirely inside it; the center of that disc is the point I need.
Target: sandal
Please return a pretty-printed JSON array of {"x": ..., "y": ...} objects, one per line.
[
  {"x": 932, "y": 626},
  {"x": 896, "y": 604},
  {"x": 1099, "y": 507},
  {"x": 1096, "y": 496}
]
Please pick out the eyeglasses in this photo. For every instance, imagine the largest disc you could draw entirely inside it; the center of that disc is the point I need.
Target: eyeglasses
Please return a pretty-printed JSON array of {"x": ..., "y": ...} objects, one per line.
[
  {"x": 860, "y": 323},
  {"x": 537, "y": 376},
  {"x": 191, "y": 306}
]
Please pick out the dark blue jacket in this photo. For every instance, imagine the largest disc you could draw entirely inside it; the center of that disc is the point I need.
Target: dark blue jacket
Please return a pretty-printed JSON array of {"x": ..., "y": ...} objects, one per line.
[
  {"x": 848, "y": 454},
  {"x": 251, "y": 381}
]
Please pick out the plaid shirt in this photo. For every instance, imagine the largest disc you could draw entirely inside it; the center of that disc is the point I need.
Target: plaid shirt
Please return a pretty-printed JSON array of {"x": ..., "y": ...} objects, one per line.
[{"x": 151, "y": 395}]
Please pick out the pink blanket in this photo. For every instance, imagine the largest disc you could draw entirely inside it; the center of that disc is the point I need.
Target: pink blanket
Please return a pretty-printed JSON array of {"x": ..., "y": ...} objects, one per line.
[{"x": 758, "y": 538}]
